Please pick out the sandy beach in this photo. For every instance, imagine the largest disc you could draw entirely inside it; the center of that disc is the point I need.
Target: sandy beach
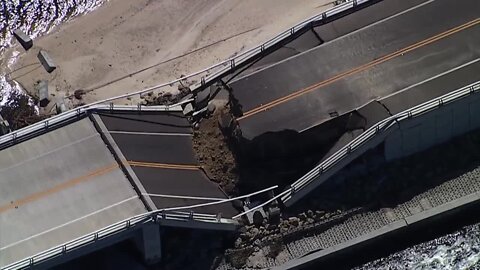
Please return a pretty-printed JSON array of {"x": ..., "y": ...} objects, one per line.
[{"x": 121, "y": 46}]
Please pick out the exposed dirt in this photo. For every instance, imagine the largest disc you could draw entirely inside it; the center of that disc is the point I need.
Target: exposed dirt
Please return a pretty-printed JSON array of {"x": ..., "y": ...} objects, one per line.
[
  {"x": 161, "y": 99},
  {"x": 214, "y": 155}
]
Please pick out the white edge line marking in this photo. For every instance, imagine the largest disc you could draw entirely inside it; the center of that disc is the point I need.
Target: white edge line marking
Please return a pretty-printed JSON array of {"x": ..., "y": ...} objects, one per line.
[
  {"x": 212, "y": 203},
  {"x": 336, "y": 39},
  {"x": 149, "y": 133},
  {"x": 384, "y": 20},
  {"x": 414, "y": 85},
  {"x": 432, "y": 78},
  {"x": 52, "y": 151},
  {"x": 144, "y": 214},
  {"x": 184, "y": 197},
  {"x": 68, "y": 223}
]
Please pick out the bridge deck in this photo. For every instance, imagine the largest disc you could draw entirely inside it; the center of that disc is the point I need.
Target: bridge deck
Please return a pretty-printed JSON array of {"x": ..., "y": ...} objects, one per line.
[
  {"x": 159, "y": 150},
  {"x": 332, "y": 30},
  {"x": 57, "y": 187},
  {"x": 72, "y": 181},
  {"x": 339, "y": 76}
]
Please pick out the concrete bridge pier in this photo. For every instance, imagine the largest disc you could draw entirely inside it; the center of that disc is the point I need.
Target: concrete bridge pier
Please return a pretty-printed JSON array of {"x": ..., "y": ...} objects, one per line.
[{"x": 149, "y": 244}]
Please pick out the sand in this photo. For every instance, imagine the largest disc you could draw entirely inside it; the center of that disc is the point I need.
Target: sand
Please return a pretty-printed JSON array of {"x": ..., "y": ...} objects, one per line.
[{"x": 120, "y": 47}]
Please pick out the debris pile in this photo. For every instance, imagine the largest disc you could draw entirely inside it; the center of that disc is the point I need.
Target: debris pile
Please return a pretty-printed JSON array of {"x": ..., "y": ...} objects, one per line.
[
  {"x": 168, "y": 97},
  {"x": 256, "y": 244},
  {"x": 214, "y": 154}
]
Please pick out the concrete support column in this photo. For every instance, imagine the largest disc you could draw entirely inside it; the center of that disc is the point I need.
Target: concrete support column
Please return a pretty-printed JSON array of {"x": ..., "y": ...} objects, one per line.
[{"x": 150, "y": 243}]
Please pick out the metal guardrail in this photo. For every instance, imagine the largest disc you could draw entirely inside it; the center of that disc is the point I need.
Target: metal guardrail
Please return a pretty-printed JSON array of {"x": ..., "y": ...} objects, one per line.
[
  {"x": 373, "y": 131},
  {"x": 208, "y": 74},
  {"x": 118, "y": 227},
  {"x": 42, "y": 125},
  {"x": 173, "y": 213}
]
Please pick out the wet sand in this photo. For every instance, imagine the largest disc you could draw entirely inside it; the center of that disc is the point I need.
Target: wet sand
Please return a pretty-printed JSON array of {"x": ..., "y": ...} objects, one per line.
[{"x": 109, "y": 50}]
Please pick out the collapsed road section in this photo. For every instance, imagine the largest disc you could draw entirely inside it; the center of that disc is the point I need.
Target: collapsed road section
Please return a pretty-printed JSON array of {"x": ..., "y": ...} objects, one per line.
[
  {"x": 159, "y": 154},
  {"x": 57, "y": 187},
  {"x": 297, "y": 112},
  {"x": 88, "y": 184},
  {"x": 318, "y": 106},
  {"x": 370, "y": 207}
]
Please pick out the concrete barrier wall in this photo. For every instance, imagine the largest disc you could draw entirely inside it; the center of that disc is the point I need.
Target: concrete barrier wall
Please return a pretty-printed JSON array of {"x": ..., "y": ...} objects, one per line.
[{"x": 433, "y": 128}]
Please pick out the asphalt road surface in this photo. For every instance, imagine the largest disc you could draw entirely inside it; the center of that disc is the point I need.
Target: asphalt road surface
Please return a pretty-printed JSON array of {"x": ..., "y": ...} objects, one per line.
[
  {"x": 434, "y": 41},
  {"x": 158, "y": 147}
]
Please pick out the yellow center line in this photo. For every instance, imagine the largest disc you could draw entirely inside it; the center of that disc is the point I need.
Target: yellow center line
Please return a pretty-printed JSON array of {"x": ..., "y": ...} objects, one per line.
[
  {"x": 359, "y": 69},
  {"x": 163, "y": 165},
  {"x": 57, "y": 188},
  {"x": 70, "y": 183}
]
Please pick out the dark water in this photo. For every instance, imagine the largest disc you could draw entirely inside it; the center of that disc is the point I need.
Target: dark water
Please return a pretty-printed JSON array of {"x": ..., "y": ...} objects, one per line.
[{"x": 34, "y": 17}]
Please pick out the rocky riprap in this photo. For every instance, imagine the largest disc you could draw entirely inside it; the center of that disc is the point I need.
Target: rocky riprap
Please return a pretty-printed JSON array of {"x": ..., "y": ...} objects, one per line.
[{"x": 254, "y": 240}]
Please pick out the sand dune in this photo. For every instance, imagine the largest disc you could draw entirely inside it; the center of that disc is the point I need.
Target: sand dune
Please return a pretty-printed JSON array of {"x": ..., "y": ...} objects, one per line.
[{"x": 120, "y": 47}]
